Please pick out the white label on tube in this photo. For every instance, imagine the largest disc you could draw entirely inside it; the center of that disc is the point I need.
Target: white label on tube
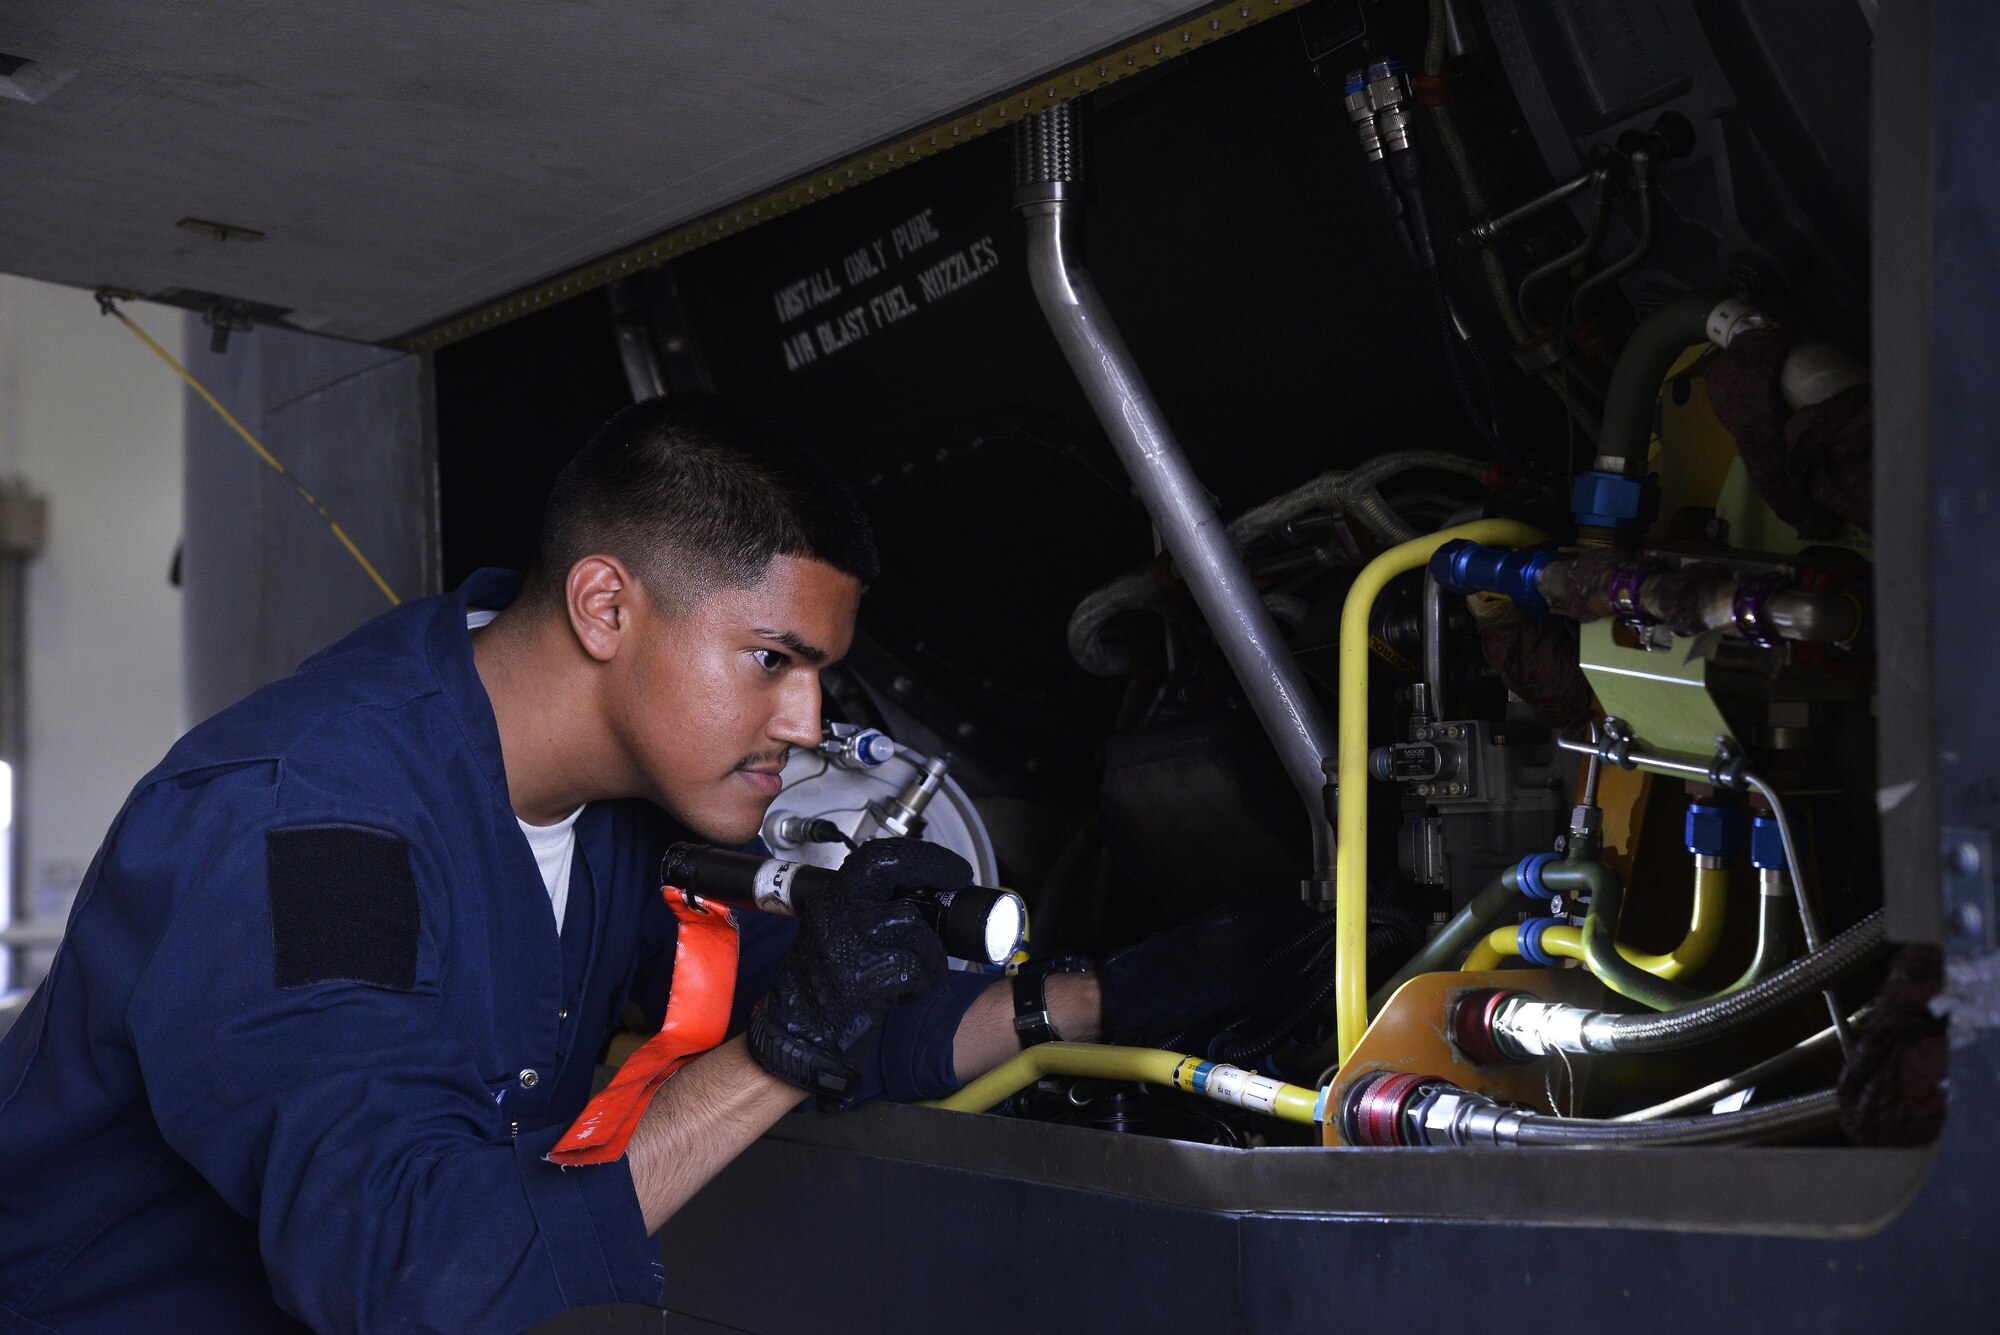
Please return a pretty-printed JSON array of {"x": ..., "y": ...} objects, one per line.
[
  {"x": 1245, "y": 1089},
  {"x": 772, "y": 890}
]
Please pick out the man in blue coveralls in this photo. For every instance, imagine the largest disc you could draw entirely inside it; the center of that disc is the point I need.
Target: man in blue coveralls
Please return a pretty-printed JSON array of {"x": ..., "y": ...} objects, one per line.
[
  {"x": 341, "y": 972},
  {"x": 337, "y": 980}
]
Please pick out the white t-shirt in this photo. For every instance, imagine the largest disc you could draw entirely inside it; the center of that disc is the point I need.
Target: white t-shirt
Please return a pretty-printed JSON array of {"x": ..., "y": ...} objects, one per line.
[{"x": 554, "y": 846}]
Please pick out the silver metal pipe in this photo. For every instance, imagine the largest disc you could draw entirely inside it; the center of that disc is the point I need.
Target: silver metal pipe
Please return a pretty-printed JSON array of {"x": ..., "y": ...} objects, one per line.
[
  {"x": 1180, "y": 507},
  {"x": 1489, "y": 230},
  {"x": 1433, "y": 638},
  {"x": 1796, "y": 1055}
]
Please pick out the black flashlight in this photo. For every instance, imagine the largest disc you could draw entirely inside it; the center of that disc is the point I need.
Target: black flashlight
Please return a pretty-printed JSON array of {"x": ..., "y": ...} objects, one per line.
[{"x": 977, "y": 923}]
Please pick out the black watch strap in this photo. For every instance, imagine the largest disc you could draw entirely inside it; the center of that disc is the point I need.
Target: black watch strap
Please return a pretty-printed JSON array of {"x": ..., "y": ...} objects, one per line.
[{"x": 1031, "y": 1004}]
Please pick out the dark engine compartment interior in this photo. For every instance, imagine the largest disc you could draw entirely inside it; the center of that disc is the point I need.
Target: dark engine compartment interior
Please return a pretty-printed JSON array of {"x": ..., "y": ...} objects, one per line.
[{"x": 1294, "y": 313}]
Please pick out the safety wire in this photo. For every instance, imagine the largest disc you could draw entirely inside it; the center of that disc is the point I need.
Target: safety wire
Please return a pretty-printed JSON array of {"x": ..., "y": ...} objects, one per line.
[{"x": 107, "y": 305}]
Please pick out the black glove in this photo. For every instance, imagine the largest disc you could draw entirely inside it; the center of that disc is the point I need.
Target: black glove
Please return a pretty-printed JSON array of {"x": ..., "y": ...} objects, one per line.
[
  {"x": 1210, "y": 970},
  {"x": 860, "y": 950}
]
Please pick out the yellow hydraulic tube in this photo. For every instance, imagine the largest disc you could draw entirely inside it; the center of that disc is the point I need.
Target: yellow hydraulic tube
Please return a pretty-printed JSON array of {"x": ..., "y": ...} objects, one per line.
[
  {"x": 1711, "y": 906},
  {"x": 1351, "y": 852},
  {"x": 1216, "y": 1080}
]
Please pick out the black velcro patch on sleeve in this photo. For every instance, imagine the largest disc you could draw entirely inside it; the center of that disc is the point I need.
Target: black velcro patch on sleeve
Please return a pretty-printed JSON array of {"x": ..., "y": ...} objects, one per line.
[{"x": 343, "y": 907}]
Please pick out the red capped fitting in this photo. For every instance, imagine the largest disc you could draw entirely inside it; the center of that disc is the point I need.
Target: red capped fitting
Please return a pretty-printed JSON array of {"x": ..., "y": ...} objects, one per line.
[
  {"x": 1433, "y": 90},
  {"x": 1372, "y": 1114},
  {"x": 1472, "y": 1019}
]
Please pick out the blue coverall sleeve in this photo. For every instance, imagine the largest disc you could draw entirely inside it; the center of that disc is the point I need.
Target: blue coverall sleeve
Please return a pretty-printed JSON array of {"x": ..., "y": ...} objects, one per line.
[{"x": 350, "y": 1123}]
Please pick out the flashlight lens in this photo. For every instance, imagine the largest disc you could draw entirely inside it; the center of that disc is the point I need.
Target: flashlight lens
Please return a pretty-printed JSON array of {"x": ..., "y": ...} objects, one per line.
[{"x": 1003, "y": 928}]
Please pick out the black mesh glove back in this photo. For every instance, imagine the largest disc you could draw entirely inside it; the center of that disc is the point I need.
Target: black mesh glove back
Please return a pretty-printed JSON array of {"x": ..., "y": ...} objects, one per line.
[
  {"x": 1211, "y": 969},
  {"x": 860, "y": 950}
]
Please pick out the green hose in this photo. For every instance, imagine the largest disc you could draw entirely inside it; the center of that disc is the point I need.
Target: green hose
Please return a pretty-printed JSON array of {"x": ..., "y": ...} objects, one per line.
[
  {"x": 1600, "y": 935},
  {"x": 1773, "y": 914},
  {"x": 1649, "y": 354},
  {"x": 1457, "y": 936}
]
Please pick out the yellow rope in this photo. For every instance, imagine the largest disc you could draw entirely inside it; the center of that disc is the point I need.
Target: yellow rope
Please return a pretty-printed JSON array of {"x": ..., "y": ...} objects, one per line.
[{"x": 105, "y": 304}]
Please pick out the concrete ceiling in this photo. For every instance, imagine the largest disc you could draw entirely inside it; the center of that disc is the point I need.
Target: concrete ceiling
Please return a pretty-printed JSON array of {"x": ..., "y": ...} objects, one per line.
[{"x": 408, "y": 159}]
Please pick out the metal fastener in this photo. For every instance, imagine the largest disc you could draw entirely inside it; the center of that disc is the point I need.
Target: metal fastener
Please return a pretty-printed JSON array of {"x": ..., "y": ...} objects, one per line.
[{"x": 530, "y": 1078}]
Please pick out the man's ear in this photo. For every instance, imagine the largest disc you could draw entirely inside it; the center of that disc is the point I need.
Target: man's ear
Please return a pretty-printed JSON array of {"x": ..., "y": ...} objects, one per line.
[{"x": 601, "y": 597}]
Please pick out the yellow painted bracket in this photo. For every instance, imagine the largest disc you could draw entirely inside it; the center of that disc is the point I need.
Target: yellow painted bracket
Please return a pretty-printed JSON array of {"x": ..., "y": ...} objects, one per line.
[{"x": 1662, "y": 693}]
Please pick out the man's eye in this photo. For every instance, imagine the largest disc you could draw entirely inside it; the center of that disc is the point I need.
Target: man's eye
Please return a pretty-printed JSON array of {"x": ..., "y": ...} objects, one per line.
[{"x": 770, "y": 660}]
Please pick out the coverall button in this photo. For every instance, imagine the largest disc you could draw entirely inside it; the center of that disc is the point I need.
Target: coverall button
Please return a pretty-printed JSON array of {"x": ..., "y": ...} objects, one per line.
[{"x": 529, "y": 1079}]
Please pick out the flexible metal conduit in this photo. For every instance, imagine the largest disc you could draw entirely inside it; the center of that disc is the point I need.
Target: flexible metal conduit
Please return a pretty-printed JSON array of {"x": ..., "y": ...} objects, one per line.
[
  {"x": 1354, "y": 493},
  {"x": 1533, "y": 1027},
  {"x": 1049, "y": 175},
  {"x": 1351, "y": 899},
  {"x": 1392, "y": 1109},
  {"x": 1174, "y": 1070},
  {"x": 1776, "y": 1121},
  {"x": 1825, "y": 1041}
]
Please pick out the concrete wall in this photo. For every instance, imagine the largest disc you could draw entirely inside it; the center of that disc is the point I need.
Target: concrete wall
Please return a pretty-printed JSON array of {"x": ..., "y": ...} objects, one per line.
[
  {"x": 267, "y": 583},
  {"x": 92, "y": 421}
]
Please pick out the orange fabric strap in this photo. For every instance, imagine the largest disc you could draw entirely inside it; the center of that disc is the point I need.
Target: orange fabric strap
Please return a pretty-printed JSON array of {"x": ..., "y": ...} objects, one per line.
[{"x": 704, "y": 985}]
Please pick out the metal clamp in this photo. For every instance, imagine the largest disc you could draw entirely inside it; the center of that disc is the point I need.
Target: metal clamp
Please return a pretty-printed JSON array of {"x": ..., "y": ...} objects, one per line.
[
  {"x": 1615, "y": 745},
  {"x": 1725, "y": 770},
  {"x": 1749, "y": 605},
  {"x": 1621, "y": 591}
]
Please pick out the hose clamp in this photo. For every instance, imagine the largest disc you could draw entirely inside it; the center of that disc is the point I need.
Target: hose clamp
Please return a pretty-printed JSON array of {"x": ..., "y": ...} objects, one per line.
[
  {"x": 1529, "y": 873},
  {"x": 1530, "y": 941},
  {"x": 1749, "y": 606},
  {"x": 1615, "y": 745},
  {"x": 1726, "y": 767},
  {"x": 1621, "y": 591}
]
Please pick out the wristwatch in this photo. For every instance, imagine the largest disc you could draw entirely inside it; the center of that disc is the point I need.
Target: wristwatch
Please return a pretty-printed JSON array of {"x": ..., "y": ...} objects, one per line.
[{"x": 1031, "y": 1005}]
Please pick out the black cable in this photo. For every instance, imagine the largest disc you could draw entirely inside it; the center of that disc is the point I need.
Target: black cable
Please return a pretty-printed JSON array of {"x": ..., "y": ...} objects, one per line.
[
  {"x": 820, "y": 830},
  {"x": 1409, "y": 176}
]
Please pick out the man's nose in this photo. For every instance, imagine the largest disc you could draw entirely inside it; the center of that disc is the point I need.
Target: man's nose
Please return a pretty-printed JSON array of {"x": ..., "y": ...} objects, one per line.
[{"x": 797, "y": 721}]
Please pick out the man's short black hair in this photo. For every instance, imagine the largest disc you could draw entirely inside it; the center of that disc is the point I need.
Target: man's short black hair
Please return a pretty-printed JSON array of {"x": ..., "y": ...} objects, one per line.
[{"x": 695, "y": 493}]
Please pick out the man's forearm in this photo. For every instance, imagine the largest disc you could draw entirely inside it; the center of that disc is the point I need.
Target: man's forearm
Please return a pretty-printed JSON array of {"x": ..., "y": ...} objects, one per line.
[
  {"x": 986, "y": 1038},
  {"x": 721, "y": 1101},
  {"x": 700, "y": 1120}
]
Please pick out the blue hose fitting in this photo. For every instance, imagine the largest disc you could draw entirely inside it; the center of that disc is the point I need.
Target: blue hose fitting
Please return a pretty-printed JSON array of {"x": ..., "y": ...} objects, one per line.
[
  {"x": 1767, "y": 844},
  {"x": 1530, "y": 942},
  {"x": 1529, "y": 874},
  {"x": 1713, "y": 830},
  {"x": 1473, "y": 567},
  {"x": 1612, "y": 500}
]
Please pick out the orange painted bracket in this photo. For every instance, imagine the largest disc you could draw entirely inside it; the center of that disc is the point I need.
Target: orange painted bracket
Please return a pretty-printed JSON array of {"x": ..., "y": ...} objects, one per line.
[{"x": 1412, "y": 1034}]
